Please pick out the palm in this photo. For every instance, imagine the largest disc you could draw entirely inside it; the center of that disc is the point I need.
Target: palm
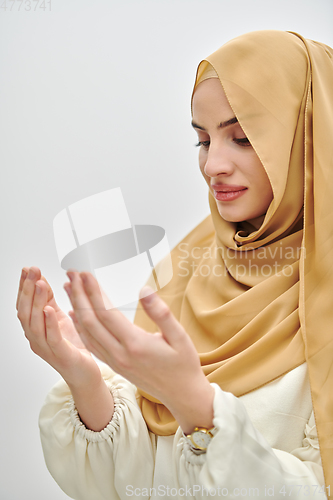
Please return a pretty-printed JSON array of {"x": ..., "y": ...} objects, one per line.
[
  {"x": 53, "y": 336},
  {"x": 67, "y": 328},
  {"x": 74, "y": 352},
  {"x": 71, "y": 359}
]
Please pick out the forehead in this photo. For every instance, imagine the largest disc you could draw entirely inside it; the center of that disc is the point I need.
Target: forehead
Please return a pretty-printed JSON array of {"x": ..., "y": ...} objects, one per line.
[{"x": 209, "y": 99}]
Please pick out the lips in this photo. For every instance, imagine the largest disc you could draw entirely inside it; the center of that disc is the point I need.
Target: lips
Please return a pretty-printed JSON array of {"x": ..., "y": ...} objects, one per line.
[
  {"x": 227, "y": 188},
  {"x": 228, "y": 192}
]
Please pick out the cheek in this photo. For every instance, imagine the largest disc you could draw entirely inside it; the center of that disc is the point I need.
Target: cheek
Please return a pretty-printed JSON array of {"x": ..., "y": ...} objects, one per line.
[{"x": 202, "y": 162}]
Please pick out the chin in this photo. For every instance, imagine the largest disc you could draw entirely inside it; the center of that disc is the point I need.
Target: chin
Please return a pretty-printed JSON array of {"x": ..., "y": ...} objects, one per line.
[{"x": 231, "y": 218}]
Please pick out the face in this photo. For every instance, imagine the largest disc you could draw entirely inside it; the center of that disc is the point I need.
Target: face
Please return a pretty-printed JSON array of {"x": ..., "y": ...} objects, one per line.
[{"x": 229, "y": 164}]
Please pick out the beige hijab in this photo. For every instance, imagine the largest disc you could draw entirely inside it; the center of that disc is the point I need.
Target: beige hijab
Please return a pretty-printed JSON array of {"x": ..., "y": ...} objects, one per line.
[{"x": 258, "y": 303}]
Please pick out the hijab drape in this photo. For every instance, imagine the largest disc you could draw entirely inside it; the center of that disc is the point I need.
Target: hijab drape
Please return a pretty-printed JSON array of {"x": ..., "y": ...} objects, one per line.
[{"x": 258, "y": 303}]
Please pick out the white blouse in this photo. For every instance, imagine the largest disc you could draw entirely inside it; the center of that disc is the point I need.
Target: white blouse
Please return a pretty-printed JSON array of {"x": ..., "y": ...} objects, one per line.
[{"x": 265, "y": 446}]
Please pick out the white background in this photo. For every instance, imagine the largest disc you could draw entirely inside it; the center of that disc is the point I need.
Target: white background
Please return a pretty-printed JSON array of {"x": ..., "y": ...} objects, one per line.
[{"x": 96, "y": 95}]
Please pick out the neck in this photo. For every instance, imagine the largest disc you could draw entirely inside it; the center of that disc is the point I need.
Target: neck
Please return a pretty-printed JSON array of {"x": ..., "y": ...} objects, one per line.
[{"x": 251, "y": 225}]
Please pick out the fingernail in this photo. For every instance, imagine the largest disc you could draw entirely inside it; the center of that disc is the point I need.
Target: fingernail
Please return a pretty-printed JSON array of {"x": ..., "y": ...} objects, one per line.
[
  {"x": 31, "y": 275},
  {"x": 148, "y": 299},
  {"x": 38, "y": 289},
  {"x": 70, "y": 275},
  {"x": 84, "y": 278},
  {"x": 24, "y": 274},
  {"x": 46, "y": 313},
  {"x": 147, "y": 294},
  {"x": 68, "y": 289}
]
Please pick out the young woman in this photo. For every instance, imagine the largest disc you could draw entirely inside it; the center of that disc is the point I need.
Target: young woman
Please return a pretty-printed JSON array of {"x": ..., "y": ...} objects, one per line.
[{"x": 222, "y": 387}]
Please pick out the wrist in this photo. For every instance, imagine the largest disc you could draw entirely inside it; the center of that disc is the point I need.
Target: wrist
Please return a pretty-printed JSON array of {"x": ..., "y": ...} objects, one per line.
[
  {"x": 82, "y": 377},
  {"x": 200, "y": 439},
  {"x": 94, "y": 403},
  {"x": 85, "y": 385},
  {"x": 194, "y": 407}
]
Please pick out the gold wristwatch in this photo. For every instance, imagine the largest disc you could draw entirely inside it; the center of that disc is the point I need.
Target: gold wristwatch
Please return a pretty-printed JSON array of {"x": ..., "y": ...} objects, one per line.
[{"x": 200, "y": 438}]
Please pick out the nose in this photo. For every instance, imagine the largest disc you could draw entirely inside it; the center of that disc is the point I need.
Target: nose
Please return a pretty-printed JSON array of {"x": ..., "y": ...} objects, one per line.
[{"x": 218, "y": 162}]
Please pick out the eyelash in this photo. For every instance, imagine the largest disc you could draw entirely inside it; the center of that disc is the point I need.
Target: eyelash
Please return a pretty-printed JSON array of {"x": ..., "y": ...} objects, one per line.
[
  {"x": 241, "y": 142},
  {"x": 202, "y": 143}
]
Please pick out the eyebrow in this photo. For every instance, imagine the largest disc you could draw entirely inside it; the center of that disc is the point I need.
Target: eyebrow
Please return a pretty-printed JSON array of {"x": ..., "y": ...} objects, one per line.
[{"x": 227, "y": 123}]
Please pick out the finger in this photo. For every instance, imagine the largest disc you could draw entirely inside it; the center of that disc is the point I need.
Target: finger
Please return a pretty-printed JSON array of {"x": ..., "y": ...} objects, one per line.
[
  {"x": 73, "y": 317},
  {"x": 77, "y": 295},
  {"x": 160, "y": 313},
  {"x": 99, "y": 353},
  {"x": 53, "y": 335},
  {"x": 27, "y": 296},
  {"x": 112, "y": 319},
  {"x": 90, "y": 326},
  {"x": 37, "y": 319},
  {"x": 24, "y": 274},
  {"x": 50, "y": 295},
  {"x": 60, "y": 347}
]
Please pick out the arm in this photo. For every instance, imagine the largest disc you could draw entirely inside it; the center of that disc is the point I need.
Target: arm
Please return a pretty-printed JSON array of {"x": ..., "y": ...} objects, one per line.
[
  {"x": 238, "y": 454},
  {"x": 52, "y": 336},
  {"x": 97, "y": 465},
  {"x": 241, "y": 462},
  {"x": 88, "y": 424},
  {"x": 136, "y": 354}
]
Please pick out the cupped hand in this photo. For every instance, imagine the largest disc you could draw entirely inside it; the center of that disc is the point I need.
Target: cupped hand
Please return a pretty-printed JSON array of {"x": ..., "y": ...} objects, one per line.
[
  {"x": 164, "y": 364},
  {"x": 50, "y": 332}
]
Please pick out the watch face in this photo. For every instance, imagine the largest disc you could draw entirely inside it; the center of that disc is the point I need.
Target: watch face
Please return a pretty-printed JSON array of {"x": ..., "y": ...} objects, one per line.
[{"x": 201, "y": 439}]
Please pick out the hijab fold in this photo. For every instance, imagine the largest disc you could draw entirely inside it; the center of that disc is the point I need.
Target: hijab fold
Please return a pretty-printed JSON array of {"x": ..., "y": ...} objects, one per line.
[{"x": 257, "y": 303}]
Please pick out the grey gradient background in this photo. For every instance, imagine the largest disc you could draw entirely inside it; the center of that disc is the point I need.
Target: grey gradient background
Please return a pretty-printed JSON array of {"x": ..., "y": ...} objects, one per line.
[{"x": 95, "y": 95}]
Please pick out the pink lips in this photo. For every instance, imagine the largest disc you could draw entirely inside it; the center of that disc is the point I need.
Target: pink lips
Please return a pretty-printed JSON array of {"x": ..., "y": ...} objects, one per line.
[{"x": 228, "y": 192}]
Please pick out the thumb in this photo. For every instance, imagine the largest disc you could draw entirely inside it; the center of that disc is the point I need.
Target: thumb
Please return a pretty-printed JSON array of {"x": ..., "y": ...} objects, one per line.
[{"x": 160, "y": 313}]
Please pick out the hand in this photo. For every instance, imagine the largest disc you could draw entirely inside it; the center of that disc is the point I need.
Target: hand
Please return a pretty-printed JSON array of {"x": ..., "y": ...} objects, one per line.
[
  {"x": 164, "y": 364},
  {"x": 51, "y": 332}
]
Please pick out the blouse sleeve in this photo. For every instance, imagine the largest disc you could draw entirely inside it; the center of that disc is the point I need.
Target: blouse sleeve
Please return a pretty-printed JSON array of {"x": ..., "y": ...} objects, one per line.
[
  {"x": 95, "y": 465},
  {"x": 240, "y": 463}
]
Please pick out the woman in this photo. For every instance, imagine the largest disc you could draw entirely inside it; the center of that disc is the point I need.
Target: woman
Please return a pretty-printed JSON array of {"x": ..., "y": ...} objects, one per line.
[{"x": 250, "y": 294}]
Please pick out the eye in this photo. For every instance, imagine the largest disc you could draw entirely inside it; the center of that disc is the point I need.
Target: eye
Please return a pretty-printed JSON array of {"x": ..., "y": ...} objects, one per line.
[
  {"x": 242, "y": 142},
  {"x": 205, "y": 144}
]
